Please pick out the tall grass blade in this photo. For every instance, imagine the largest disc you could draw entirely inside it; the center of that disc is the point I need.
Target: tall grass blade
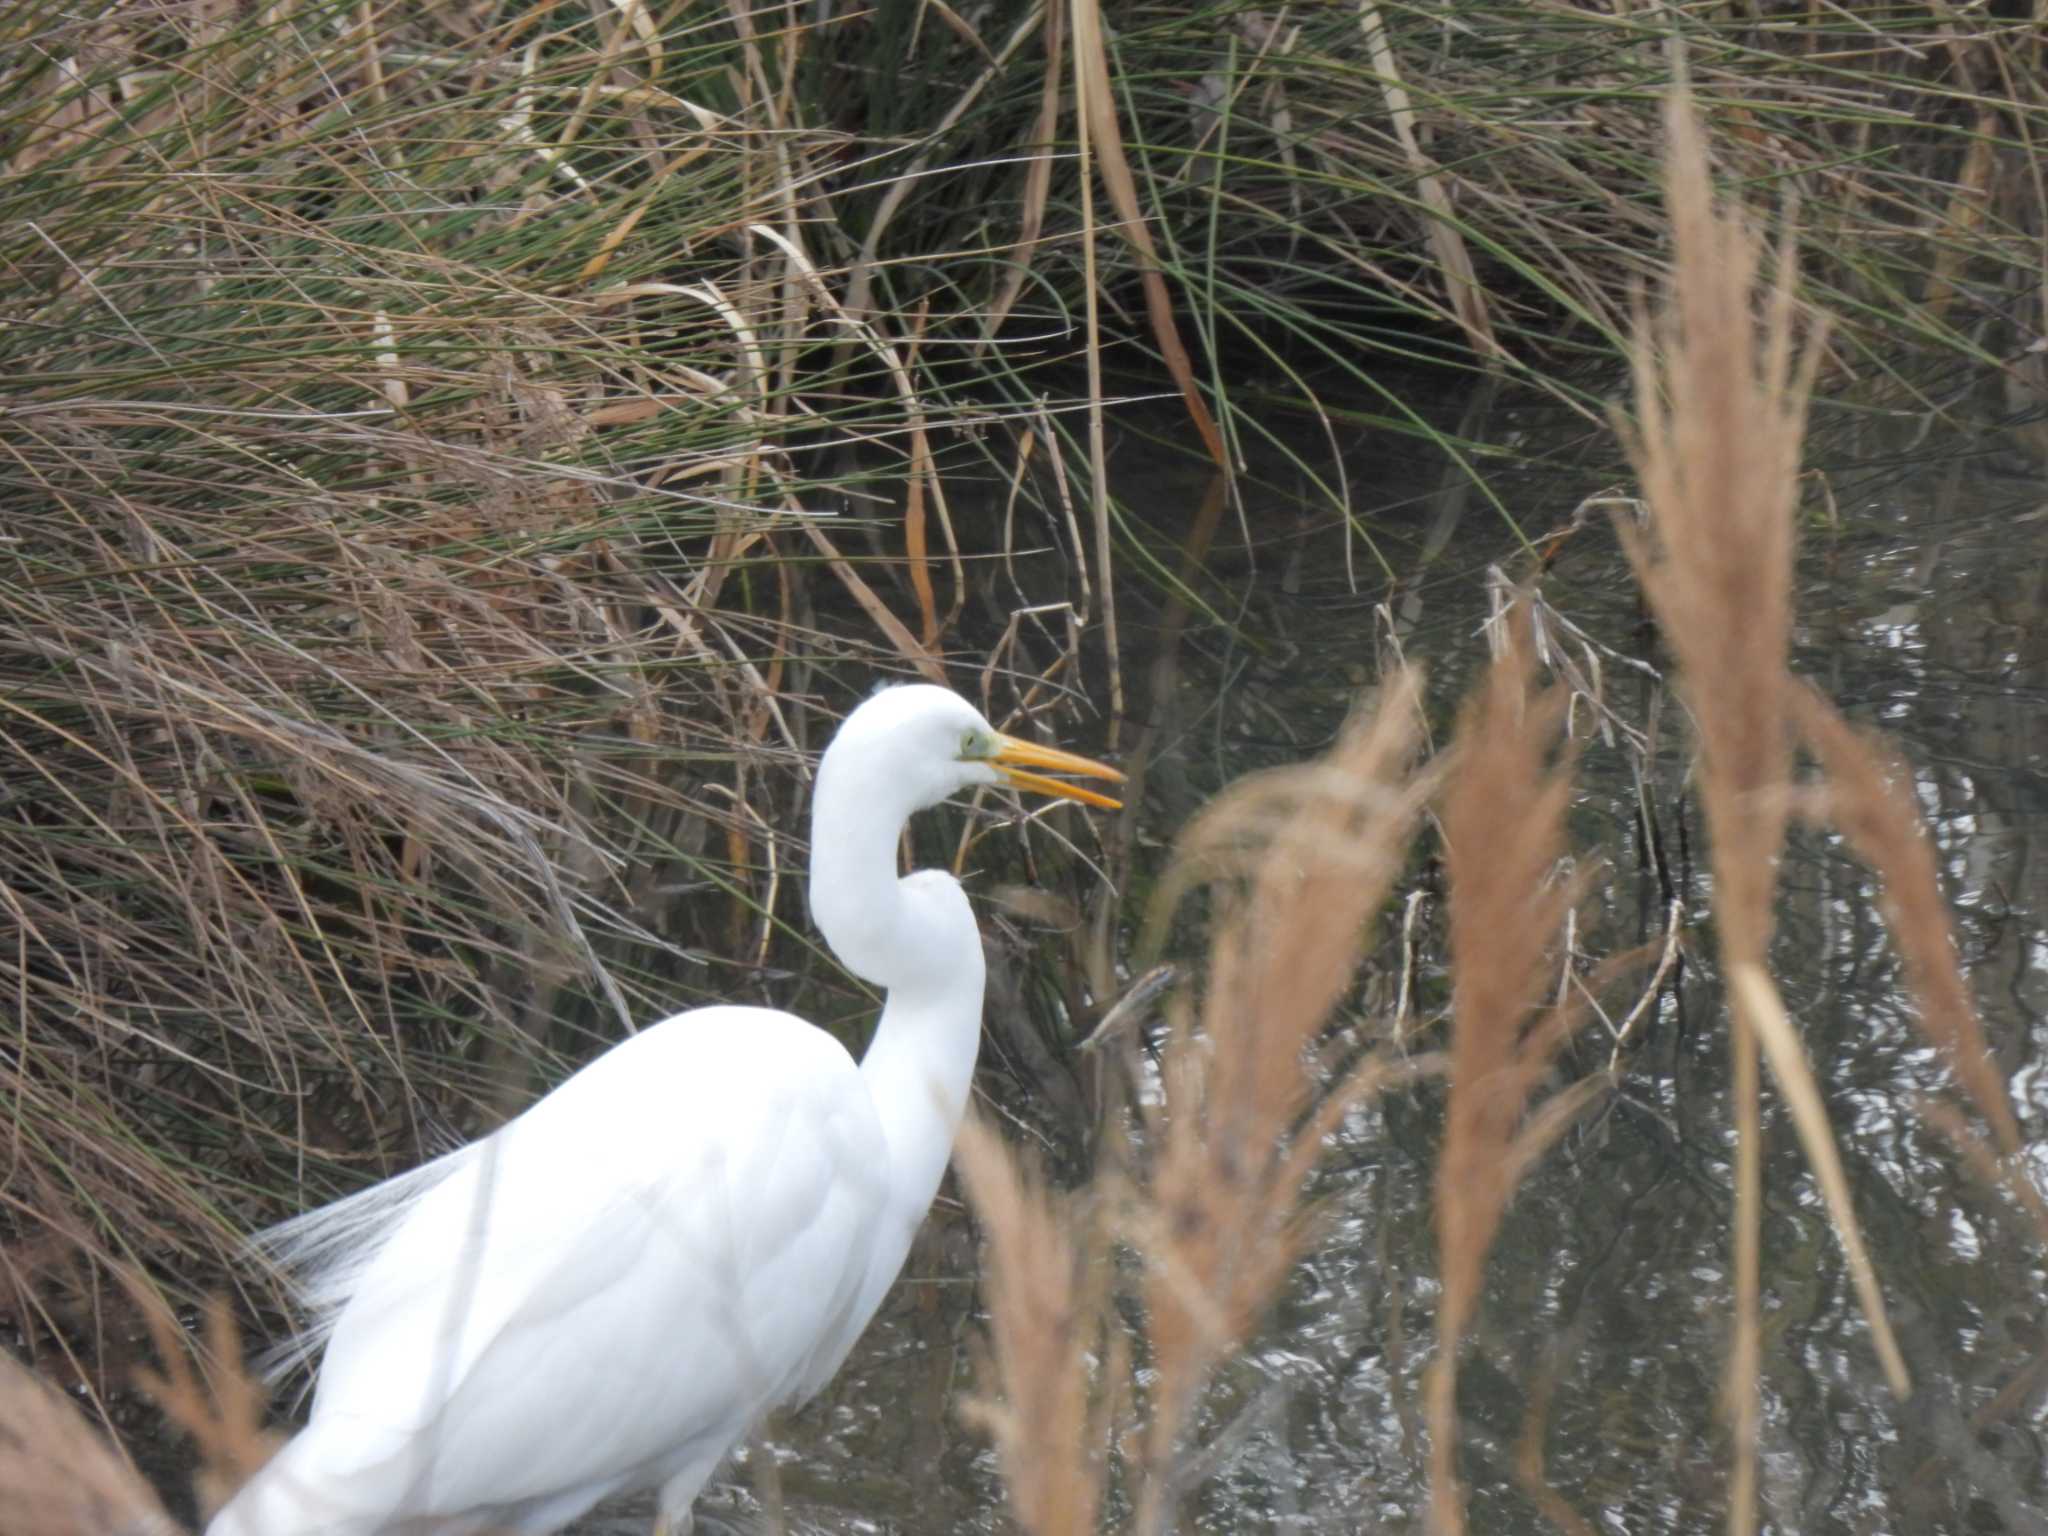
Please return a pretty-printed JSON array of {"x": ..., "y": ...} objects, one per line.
[
  {"x": 1460, "y": 277},
  {"x": 1096, "y": 102},
  {"x": 1037, "y": 188}
]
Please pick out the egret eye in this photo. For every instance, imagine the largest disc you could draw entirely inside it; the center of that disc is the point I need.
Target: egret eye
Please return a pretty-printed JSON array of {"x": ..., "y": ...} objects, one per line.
[{"x": 971, "y": 745}]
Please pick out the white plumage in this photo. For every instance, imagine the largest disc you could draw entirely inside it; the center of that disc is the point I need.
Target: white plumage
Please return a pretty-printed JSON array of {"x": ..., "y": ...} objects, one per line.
[{"x": 612, "y": 1290}]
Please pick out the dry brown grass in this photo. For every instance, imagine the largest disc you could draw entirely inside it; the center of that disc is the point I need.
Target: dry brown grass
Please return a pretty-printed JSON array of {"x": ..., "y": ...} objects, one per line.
[
  {"x": 1296, "y": 861},
  {"x": 58, "y": 1477},
  {"x": 204, "y": 1391},
  {"x": 61, "y": 1477},
  {"x": 369, "y": 566},
  {"x": 1722, "y": 384},
  {"x": 1721, "y": 391},
  {"x": 1044, "y": 1403},
  {"x": 410, "y": 582},
  {"x": 1247, "y": 1100},
  {"x": 1504, "y": 843},
  {"x": 1720, "y": 417}
]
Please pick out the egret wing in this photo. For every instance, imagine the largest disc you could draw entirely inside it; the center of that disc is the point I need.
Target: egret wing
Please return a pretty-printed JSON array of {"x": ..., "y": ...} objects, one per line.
[{"x": 631, "y": 1272}]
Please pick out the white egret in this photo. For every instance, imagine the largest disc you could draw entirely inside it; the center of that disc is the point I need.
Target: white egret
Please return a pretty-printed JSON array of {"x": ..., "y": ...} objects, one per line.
[{"x": 609, "y": 1292}]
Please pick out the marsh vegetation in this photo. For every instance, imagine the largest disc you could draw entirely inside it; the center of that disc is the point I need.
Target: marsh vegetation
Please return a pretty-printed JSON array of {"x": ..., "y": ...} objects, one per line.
[{"x": 457, "y": 462}]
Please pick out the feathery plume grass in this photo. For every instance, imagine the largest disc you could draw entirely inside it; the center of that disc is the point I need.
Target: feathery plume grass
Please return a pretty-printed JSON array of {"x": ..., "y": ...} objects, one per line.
[
  {"x": 58, "y": 1477},
  {"x": 204, "y": 1391},
  {"x": 1504, "y": 841},
  {"x": 1042, "y": 1404},
  {"x": 1721, "y": 411},
  {"x": 1297, "y": 861},
  {"x": 1720, "y": 421},
  {"x": 1238, "y": 1127},
  {"x": 1719, "y": 579}
]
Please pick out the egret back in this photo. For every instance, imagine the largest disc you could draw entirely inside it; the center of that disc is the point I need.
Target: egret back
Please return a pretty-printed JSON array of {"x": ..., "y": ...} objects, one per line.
[{"x": 612, "y": 1288}]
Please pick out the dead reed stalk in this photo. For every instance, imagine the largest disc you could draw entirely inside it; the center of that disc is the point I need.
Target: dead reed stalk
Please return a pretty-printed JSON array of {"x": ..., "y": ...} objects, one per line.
[
  {"x": 1040, "y": 1407},
  {"x": 1503, "y": 825},
  {"x": 1721, "y": 411}
]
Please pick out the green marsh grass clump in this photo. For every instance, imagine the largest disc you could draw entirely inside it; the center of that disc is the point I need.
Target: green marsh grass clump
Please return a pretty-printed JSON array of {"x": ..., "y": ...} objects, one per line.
[
  {"x": 1335, "y": 193},
  {"x": 404, "y": 593}
]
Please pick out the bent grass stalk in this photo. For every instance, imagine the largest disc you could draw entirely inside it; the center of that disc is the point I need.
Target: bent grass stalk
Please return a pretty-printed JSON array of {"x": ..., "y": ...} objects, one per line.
[{"x": 1869, "y": 800}]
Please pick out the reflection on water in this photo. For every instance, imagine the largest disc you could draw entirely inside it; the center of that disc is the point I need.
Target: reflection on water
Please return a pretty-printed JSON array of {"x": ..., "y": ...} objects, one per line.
[{"x": 1608, "y": 1292}]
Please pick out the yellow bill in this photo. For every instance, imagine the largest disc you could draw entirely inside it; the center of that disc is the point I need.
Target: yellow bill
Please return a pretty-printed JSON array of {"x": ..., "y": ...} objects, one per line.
[{"x": 1015, "y": 759}]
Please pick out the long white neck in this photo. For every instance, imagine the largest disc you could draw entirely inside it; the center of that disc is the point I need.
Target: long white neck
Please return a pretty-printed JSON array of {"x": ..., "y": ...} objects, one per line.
[
  {"x": 854, "y": 899},
  {"x": 916, "y": 937},
  {"x": 920, "y": 1067}
]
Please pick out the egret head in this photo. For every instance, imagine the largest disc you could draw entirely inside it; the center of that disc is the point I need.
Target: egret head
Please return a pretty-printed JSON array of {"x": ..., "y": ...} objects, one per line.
[
  {"x": 917, "y": 744},
  {"x": 903, "y": 750}
]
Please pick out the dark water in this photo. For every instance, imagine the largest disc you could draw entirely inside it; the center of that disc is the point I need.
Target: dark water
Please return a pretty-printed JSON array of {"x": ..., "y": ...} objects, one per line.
[{"x": 1606, "y": 1310}]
